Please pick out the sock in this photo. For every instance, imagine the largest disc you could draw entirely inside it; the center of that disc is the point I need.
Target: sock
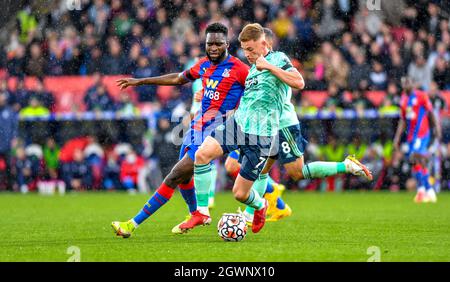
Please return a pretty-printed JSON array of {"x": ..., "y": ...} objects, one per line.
[
  {"x": 260, "y": 186},
  {"x": 212, "y": 188},
  {"x": 322, "y": 169},
  {"x": 134, "y": 223},
  {"x": 202, "y": 181},
  {"x": 269, "y": 188},
  {"x": 159, "y": 198},
  {"x": 417, "y": 173},
  {"x": 280, "y": 204},
  {"x": 426, "y": 178},
  {"x": 188, "y": 193},
  {"x": 254, "y": 200}
]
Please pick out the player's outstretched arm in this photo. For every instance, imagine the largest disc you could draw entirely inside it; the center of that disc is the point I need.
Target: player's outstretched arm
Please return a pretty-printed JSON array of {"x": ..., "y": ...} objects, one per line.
[
  {"x": 292, "y": 77},
  {"x": 167, "y": 79}
]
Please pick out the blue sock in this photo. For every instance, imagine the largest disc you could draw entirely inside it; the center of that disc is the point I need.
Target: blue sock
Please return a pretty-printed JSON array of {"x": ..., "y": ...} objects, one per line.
[
  {"x": 417, "y": 172},
  {"x": 426, "y": 179},
  {"x": 159, "y": 198},
  {"x": 188, "y": 193},
  {"x": 280, "y": 204},
  {"x": 269, "y": 188}
]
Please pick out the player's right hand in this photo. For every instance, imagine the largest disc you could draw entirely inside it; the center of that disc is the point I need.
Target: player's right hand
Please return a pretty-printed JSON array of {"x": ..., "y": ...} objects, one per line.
[
  {"x": 125, "y": 82},
  {"x": 198, "y": 96}
]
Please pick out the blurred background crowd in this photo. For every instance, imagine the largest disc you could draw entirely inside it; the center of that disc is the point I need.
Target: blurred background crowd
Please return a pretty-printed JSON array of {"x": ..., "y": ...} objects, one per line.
[{"x": 346, "y": 49}]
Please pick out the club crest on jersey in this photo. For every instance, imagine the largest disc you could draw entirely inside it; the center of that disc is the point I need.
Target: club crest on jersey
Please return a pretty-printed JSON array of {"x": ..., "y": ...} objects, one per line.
[{"x": 226, "y": 73}]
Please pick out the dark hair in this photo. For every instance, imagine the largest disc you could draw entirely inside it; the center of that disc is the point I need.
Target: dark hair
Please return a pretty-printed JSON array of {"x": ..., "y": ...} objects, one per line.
[
  {"x": 268, "y": 32},
  {"x": 217, "y": 28}
]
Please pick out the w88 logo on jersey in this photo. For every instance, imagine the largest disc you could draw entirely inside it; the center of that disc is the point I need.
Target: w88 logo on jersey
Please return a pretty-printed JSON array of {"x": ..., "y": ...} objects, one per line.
[{"x": 213, "y": 95}]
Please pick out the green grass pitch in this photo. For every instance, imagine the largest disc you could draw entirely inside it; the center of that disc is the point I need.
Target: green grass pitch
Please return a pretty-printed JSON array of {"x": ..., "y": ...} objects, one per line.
[{"x": 323, "y": 227}]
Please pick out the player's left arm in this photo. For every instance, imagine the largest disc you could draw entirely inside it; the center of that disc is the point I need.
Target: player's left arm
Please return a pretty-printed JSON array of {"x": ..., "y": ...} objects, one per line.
[
  {"x": 288, "y": 74},
  {"x": 432, "y": 117}
]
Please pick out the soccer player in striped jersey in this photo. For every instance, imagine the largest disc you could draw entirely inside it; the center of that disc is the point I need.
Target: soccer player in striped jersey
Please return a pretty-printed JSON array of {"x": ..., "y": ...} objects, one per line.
[
  {"x": 223, "y": 80},
  {"x": 416, "y": 116}
]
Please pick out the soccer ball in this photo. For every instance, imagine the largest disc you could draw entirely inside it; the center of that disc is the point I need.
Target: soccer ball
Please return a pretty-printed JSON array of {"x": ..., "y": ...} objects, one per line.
[{"x": 232, "y": 227}]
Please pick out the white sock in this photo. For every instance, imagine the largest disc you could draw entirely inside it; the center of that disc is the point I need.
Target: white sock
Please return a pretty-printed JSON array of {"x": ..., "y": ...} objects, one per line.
[
  {"x": 421, "y": 189},
  {"x": 203, "y": 210},
  {"x": 134, "y": 223}
]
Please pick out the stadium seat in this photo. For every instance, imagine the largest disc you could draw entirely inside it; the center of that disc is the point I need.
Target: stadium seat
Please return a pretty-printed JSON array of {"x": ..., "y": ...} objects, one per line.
[
  {"x": 376, "y": 97},
  {"x": 164, "y": 92},
  {"x": 315, "y": 98}
]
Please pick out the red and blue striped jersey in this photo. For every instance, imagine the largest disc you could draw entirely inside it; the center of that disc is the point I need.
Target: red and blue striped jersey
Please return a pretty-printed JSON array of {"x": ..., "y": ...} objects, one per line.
[
  {"x": 223, "y": 87},
  {"x": 415, "y": 108}
]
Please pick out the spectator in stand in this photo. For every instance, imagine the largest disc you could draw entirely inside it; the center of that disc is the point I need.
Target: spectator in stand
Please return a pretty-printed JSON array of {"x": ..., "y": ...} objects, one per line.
[
  {"x": 35, "y": 64},
  {"x": 94, "y": 156},
  {"x": 22, "y": 96},
  {"x": 122, "y": 24},
  {"x": 441, "y": 74},
  {"x": 16, "y": 65},
  {"x": 9, "y": 95},
  {"x": 79, "y": 177},
  {"x": 26, "y": 170},
  {"x": 378, "y": 77},
  {"x": 99, "y": 6},
  {"x": 111, "y": 172},
  {"x": 55, "y": 62},
  {"x": 126, "y": 107},
  {"x": 360, "y": 71},
  {"x": 51, "y": 158},
  {"x": 27, "y": 24},
  {"x": 357, "y": 147},
  {"x": 396, "y": 69},
  {"x": 329, "y": 25},
  {"x": 94, "y": 64},
  {"x": 66, "y": 155},
  {"x": 337, "y": 70},
  {"x": 45, "y": 98},
  {"x": 8, "y": 140},
  {"x": 420, "y": 72},
  {"x": 146, "y": 93},
  {"x": 99, "y": 99},
  {"x": 114, "y": 62},
  {"x": 335, "y": 102},
  {"x": 441, "y": 52},
  {"x": 393, "y": 92},
  {"x": 360, "y": 102},
  {"x": 34, "y": 109},
  {"x": 129, "y": 171},
  {"x": 439, "y": 103},
  {"x": 167, "y": 151},
  {"x": 332, "y": 152},
  {"x": 305, "y": 32}
]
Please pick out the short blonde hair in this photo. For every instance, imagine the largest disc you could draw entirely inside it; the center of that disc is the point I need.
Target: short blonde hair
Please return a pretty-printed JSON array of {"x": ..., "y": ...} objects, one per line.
[{"x": 252, "y": 31}]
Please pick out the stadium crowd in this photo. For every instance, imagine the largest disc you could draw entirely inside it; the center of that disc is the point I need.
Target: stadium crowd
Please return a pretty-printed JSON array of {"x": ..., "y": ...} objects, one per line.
[{"x": 340, "y": 46}]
